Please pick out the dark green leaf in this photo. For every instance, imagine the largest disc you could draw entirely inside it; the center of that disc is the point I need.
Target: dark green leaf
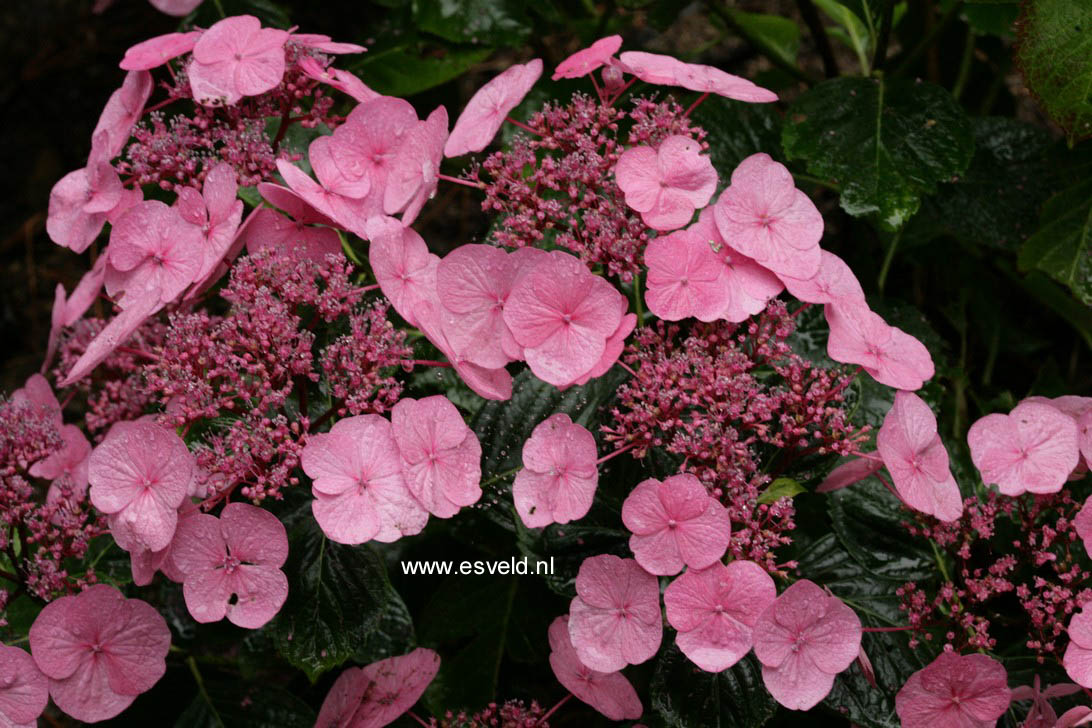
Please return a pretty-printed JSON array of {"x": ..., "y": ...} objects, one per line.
[
  {"x": 336, "y": 597},
  {"x": 231, "y": 704},
  {"x": 737, "y": 130},
  {"x": 1062, "y": 247},
  {"x": 404, "y": 71},
  {"x": 686, "y": 696},
  {"x": 779, "y": 36},
  {"x": 885, "y": 142},
  {"x": 489, "y": 22},
  {"x": 1054, "y": 52},
  {"x": 867, "y": 520},
  {"x": 393, "y": 633}
]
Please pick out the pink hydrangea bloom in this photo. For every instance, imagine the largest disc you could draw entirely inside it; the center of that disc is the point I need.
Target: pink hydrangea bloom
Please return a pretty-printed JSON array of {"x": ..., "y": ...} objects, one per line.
[
  {"x": 299, "y": 235},
  {"x": 1078, "y": 655},
  {"x": 834, "y": 283},
  {"x": 414, "y": 173},
  {"x": 154, "y": 254},
  {"x": 684, "y": 277},
  {"x": 140, "y": 474},
  {"x": 376, "y": 695},
  {"x": 231, "y": 565},
  {"x": 24, "y": 690},
  {"x": 911, "y": 449},
  {"x": 366, "y": 146},
  {"x": 562, "y": 315},
  {"x": 402, "y": 264},
  {"x": 216, "y": 212},
  {"x": 954, "y": 691},
  {"x": 234, "y": 58},
  {"x": 81, "y": 201},
  {"x": 1033, "y": 449},
  {"x": 762, "y": 215},
  {"x": 803, "y": 640},
  {"x": 559, "y": 475},
  {"x": 441, "y": 456},
  {"x": 124, "y": 107},
  {"x": 669, "y": 71},
  {"x": 486, "y": 110},
  {"x": 608, "y": 692},
  {"x": 360, "y": 492},
  {"x": 587, "y": 60},
  {"x": 154, "y": 52},
  {"x": 67, "y": 467},
  {"x": 615, "y": 619},
  {"x": 674, "y": 524},
  {"x": 99, "y": 651},
  {"x": 668, "y": 183},
  {"x": 892, "y": 356},
  {"x": 434, "y": 322},
  {"x": 715, "y": 610},
  {"x": 850, "y": 472}
]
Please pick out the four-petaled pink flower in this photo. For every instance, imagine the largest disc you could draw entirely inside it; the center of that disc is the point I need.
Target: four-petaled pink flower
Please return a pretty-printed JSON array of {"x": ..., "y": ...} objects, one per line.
[
  {"x": 954, "y": 691},
  {"x": 762, "y": 215},
  {"x": 587, "y": 60},
  {"x": 1078, "y": 655},
  {"x": 559, "y": 475},
  {"x": 675, "y": 523},
  {"x": 154, "y": 254},
  {"x": 487, "y": 109},
  {"x": 803, "y": 640},
  {"x": 82, "y": 201},
  {"x": 860, "y": 336},
  {"x": 441, "y": 456},
  {"x": 99, "y": 651},
  {"x": 234, "y": 58},
  {"x": 216, "y": 212},
  {"x": 298, "y": 236},
  {"x": 715, "y": 610},
  {"x": 685, "y": 277},
  {"x": 402, "y": 264},
  {"x": 376, "y": 695},
  {"x": 667, "y": 184},
  {"x": 24, "y": 690},
  {"x": 139, "y": 475},
  {"x": 360, "y": 493},
  {"x": 615, "y": 618},
  {"x": 912, "y": 451},
  {"x": 608, "y": 692},
  {"x": 231, "y": 565},
  {"x": 1033, "y": 449},
  {"x": 562, "y": 315}
]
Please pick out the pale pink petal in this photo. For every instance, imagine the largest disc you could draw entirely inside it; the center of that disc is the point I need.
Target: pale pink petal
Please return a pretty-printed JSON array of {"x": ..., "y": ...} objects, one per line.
[
  {"x": 615, "y": 618},
  {"x": 394, "y": 685},
  {"x": 260, "y": 592},
  {"x": 154, "y": 52},
  {"x": 608, "y": 692},
  {"x": 890, "y": 355},
  {"x": 834, "y": 283},
  {"x": 487, "y": 109},
  {"x": 122, "y": 111},
  {"x": 1032, "y": 449},
  {"x": 402, "y": 264},
  {"x": 413, "y": 175},
  {"x": 587, "y": 60},
  {"x": 24, "y": 690},
  {"x": 254, "y": 535}
]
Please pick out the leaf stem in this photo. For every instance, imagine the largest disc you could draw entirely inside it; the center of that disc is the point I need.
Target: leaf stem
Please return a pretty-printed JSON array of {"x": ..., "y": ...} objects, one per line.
[
  {"x": 964, "y": 64},
  {"x": 192, "y": 664},
  {"x": 881, "y": 281},
  {"x": 500, "y": 476}
]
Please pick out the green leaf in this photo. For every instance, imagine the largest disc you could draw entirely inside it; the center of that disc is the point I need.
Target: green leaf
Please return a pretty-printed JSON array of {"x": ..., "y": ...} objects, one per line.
[
  {"x": 737, "y": 130},
  {"x": 685, "y": 696},
  {"x": 866, "y": 519},
  {"x": 1054, "y": 52},
  {"x": 780, "y": 488},
  {"x": 489, "y": 22},
  {"x": 1062, "y": 247},
  {"x": 404, "y": 71},
  {"x": 336, "y": 597},
  {"x": 233, "y": 704},
  {"x": 779, "y": 36},
  {"x": 393, "y": 633},
  {"x": 885, "y": 142},
  {"x": 850, "y": 31}
]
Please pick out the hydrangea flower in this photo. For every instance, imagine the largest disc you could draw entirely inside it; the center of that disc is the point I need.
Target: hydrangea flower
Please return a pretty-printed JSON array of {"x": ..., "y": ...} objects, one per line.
[
  {"x": 402, "y": 264},
  {"x": 67, "y": 467},
  {"x": 441, "y": 456},
  {"x": 140, "y": 474},
  {"x": 488, "y": 383},
  {"x": 99, "y": 651},
  {"x": 666, "y": 184},
  {"x": 81, "y": 201},
  {"x": 414, "y": 173},
  {"x": 762, "y": 215},
  {"x": 715, "y": 610},
  {"x": 675, "y": 523},
  {"x": 360, "y": 492},
  {"x": 24, "y": 690},
  {"x": 327, "y": 202},
  {"x": 306, "y": 234},
  {"x": 156, "y": 51},
  {"x": 834, "y": 283},
  {"x": 488, "y": 107},
  {"x": 154, "y": 254},
  {"x": 216, "y": 212},
  {"x": 911, "y": 449},
  {"x": 366, "y": 146},
  {"x": 562, "y": 315},
  {"x": 1078, "y": 654},
  {"x": 954, "y": 691},
  {"x": 1033, "y": 449},
  {"x": 684, "y": 277},
  {"x": 231, "y": 565},
  {"x": 124, "y": 107},
  {"x": 587, "y": 60},
  {"x": 559, "y": 475},
  {"x": 343, "y": 81},
  {"x": 608, "y": 692},
  {"x": 803, "y": 640},
  {"x": 664, "y": 70},
  {"x": 615, "y": 618},
  {"x": 376, "y": 695},
  {"x": 892, "y": 356},
  {"x": 234, "y": 58}
]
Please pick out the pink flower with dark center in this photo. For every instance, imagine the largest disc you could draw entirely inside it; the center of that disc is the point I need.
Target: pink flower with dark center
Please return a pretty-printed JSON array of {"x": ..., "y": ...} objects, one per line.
[
  {"x": 81, "y": 201},
  {"x": 668, "y": 183},
  {"x": 762, "y": 215},
  {"x": 674, "y": 524},
  {"x": 124, "y": 107},
  {"x": 615, "y": 618},
  {"x": 669, "y": 71},
  {"x": 24, "y": 690},
  {"x": 231, "y": 565},
  {"x": 608, "y": 692},
  {"x": 67, "y": 467},
  {"x": 140, "y": 474},
  {"x": 234, "y": 58},
  {"x": 1033, "y": 449},
  {"x": 216, "y": 212},
  {"x": 299, "y": 235},
  {"x": 488, "y": 107},
  {"x": 562, "y": 315},
  {"x": 834, "y": 283},
  {"x": 154, "y": 254},
  {"x": 892, "y": 356},
  {"x": 850, "y": 472},
  {"x": 911, "y": 449},
  {"x": 954, "y": 691},
  {"x": 402, "y": 264},
  {"x": 715, "y": 610},
  {"x": 559, "y": 475},
  {"x": 441, "y": 456},
  {"x": 376, "y": 695},
  {"x": 803, "y": 640},
  {"x": 360, "y": 492},
  {"x": 587, "y": 60},
  {"x": 414, "y": 173},
  {"x": 99, "y": 651},
  {"x": 154, "y": 52}
]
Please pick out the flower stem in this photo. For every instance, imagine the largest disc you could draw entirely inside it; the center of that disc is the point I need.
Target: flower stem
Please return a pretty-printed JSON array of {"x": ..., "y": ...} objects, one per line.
[
  {"x": 616, "y": 453},
  {"x": 521, "y": 125},
  {"x": 458, "y": 181},
  {"x": 553, "y": 710}
]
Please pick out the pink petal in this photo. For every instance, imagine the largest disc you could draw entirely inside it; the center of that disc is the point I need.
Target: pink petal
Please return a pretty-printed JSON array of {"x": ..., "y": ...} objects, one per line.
[
  {"x": 1032, "y": 449},
  {"x": 487, "y": 109},
  {"x": 394, "y": 685},
  {"x": 122, "y": 110},
  {"x": 608, "y": 692},
  {"x": 587, "y": 60},
  {"x": 652, "y": 68},
  {"x": 890, "y": 355},
  {"x": 154, "y": 52},
  {"x": 403, "y": 266},
  {"x": 24, "y": 690},
  {"x": 796, "y": 684},
  {"x": 254, "y": 535},
  {"x": 198, "y": 545},
  {"x": 260, "y": 592},
  {"x": 413, "y": 174},
  {"x": 675, "y": 523},
  {"x": 834, "y": 283},
  {"x": 848, "y": 473}
]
